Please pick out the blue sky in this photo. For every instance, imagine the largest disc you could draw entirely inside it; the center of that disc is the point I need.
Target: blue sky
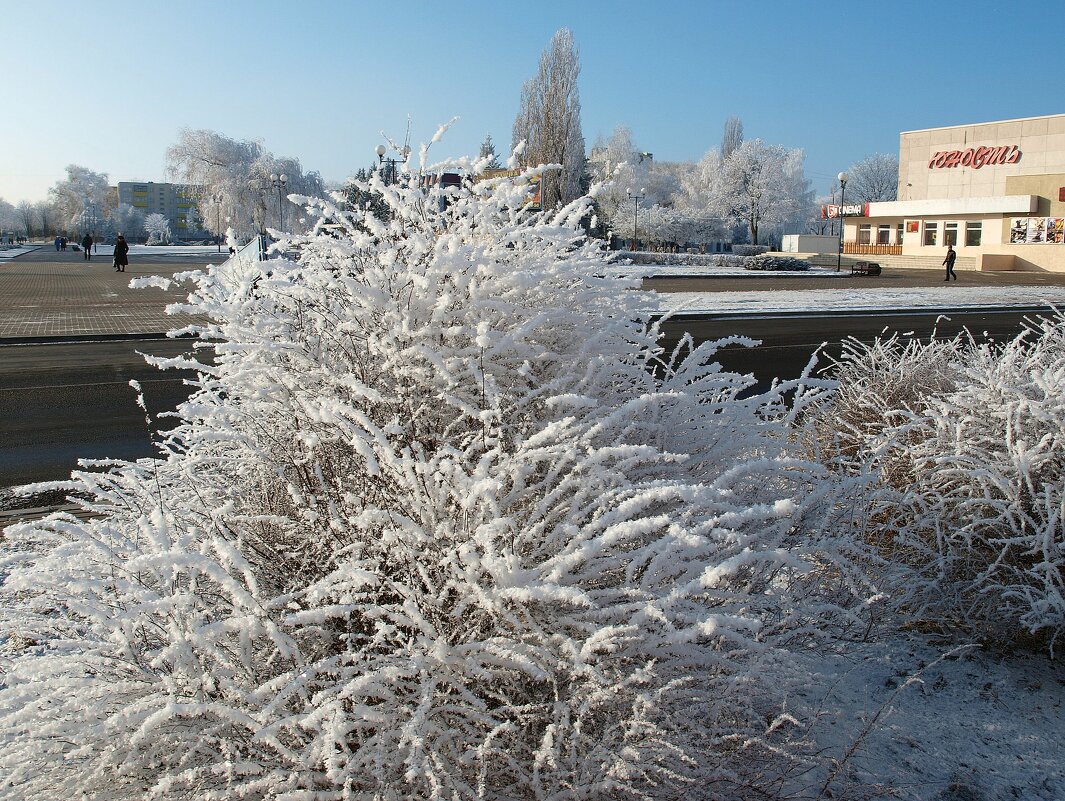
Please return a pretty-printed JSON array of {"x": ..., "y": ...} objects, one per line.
[{"x": 108, "y": 84}]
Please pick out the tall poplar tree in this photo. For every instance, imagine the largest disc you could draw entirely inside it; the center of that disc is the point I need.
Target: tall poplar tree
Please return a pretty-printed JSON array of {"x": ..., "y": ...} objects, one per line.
[{"x": 549, "y": 119}]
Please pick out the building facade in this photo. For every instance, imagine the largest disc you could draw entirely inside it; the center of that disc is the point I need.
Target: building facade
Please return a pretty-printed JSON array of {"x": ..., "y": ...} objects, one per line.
[
  {"x": 993, "y": 190},
  {"x": 173, "y": 201}
]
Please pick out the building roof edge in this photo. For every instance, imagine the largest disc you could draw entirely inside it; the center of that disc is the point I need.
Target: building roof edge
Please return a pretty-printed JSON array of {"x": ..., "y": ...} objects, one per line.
[{"x": 976, "y": 124}]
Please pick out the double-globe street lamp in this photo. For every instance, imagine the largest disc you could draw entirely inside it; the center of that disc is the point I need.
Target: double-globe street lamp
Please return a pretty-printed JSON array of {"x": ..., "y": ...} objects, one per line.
[
  {"x": 390, "y": 173},
  {"x": 842, "y": 188},
  {"x": 279, "y": 181},
  {"x": 635, "y": 214}
]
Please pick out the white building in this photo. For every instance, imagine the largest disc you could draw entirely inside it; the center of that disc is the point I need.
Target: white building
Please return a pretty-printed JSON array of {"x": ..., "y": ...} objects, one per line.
[{"x": 994, "y": 190}]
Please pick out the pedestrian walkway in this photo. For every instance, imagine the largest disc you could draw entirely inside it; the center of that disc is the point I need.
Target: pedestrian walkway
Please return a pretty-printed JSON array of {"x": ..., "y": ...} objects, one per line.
[{"x": 74, "y": 298}]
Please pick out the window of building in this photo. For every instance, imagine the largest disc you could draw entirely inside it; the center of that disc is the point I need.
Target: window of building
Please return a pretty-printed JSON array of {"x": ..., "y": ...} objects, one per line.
[
  {"x": 931, "y": 231},
  {"x": 864, "y": 232},
  {"x": 950, "y": 233},
  {"x": 883, "y": 234},
  {"x": 898, "y": 234},
  {"x": 973, "y": 232}
]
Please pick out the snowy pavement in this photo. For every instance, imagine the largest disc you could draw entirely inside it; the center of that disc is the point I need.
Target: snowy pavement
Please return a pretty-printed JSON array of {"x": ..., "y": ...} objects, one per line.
[
  {"x": 852, "y": 300},
  {"x": 7, "y": 254},
  {"x": 975, "y": 727}
]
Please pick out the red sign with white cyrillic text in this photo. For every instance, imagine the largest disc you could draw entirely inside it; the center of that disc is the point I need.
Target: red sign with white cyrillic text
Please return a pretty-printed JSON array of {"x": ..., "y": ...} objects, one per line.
[
  {"x": 846, "y": 210},
  {"x": 975, "y": 157}
]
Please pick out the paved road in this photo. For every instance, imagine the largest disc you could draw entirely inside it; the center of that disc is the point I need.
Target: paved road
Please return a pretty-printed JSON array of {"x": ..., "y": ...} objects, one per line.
[
  {"x": 788, "y": 342},
  {"x": 59, "y": 402},
  {"x": 62, "y": 402}
]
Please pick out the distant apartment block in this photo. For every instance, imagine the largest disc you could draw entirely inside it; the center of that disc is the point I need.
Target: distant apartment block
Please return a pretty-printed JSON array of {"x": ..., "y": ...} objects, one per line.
[{"x": 173, "y": 201}]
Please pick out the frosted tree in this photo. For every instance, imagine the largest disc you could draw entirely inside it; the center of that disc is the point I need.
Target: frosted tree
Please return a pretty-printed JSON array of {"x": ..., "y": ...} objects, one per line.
[
  {"x": 82, "y": 191},
  {"x": 29, "y": 218},
  {"x": 621, "y": 171},
  {"x": 9, "y": 218},
  {"x": 158, "y": 229},
  {"x": 758, "y": 185},
  {"x": 549, "y": 120},
  {"x": 874, "y": 179},
  {"x": 732, "y": 137},
  {"x": 441, "y": 520},
  {"x": 488, "y": 151},
  {"x": 125, "y": 219},
  {"x": 213, "y": 165}
]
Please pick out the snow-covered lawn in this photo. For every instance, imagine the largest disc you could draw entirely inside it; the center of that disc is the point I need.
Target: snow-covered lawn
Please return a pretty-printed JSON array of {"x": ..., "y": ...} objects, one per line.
[
  {"x": 192, "y": 251},
  {"x": 859, "y": 300},
  {"x": 8, "y": 253}
]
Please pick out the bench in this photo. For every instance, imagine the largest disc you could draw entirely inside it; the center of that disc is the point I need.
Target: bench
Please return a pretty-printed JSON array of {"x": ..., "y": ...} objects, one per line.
[{"x": 865, "y": 268}]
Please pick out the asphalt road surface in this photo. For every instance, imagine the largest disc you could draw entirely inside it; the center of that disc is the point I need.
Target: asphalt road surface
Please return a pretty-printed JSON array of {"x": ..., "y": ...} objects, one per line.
[
  {"x": 61, "y": 402},
  {"x": 787, "y": 342}
]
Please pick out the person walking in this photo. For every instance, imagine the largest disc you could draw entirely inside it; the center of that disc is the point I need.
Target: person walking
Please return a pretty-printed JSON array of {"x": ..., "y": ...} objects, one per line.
[
  {"x": 86, "y": 244},
  {"x": 58, "y": 244},
  {"x": 121, "y": 254},
  {"x": 949, "y": 262}
]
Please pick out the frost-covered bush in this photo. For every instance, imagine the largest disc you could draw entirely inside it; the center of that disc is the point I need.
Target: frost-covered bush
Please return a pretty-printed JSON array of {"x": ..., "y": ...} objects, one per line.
[
  {"x": 970, "y": 441},
  {"x": 777, "y": 263},
  {"x": 158, "y": 229},
  {"x": 441, "y": 521},
  {"x": 750, "y": 250}
]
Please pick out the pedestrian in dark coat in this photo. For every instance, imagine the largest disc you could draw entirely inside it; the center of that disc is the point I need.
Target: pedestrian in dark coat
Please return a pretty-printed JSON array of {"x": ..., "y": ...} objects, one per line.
[
  {"x": 121, "y": 254},
  {"x": 949, "y": 262},
  {"x": 86, "y": 243}
]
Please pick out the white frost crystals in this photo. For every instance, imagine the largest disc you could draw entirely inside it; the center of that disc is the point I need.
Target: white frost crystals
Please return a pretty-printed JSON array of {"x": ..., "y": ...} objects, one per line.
[
  {"x": 969, "y": 440},
  {"x": 440, "y": 522}
]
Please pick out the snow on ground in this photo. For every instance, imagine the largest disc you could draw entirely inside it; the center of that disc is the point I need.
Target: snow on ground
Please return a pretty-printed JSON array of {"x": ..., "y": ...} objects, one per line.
[
  {"x": 859, "y": 300},
  {"x": 192, "y": 251},
  {"x": 7, "y": 254},
  {"x": 686, "y": 271},
  {"x": 976, "y": 727}
]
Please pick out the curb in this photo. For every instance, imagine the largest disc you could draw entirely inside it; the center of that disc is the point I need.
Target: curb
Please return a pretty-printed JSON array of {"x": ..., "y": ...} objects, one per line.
[
  {"x": 936, "y": 310},
  {"x": 75, "y": 339}
]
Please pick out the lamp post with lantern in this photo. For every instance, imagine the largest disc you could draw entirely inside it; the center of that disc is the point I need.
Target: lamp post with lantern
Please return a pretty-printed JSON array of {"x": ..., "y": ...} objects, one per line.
[
  {"x": 390, "y": 173},
  {"x": 216, "y": 198},
  {"x": 279, "y": 181},
  {"x": 842, "y": 189},
  {"x": 635, "y": 214}
]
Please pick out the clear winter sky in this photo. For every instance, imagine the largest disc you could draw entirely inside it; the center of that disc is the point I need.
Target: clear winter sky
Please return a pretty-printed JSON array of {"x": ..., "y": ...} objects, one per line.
[{"x": 108, "y": 84}]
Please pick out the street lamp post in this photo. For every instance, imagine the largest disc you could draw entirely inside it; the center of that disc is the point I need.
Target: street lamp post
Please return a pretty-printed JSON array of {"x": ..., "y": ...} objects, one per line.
[
  {"x": 635, "y": 214},
  {"x": 217, "y": 200},
  {"x": 390, "y": 173},
  {"x": 279, "y": 181},
  {"x": 92, "y": 224},
  {"x": 842, "y": 189}
]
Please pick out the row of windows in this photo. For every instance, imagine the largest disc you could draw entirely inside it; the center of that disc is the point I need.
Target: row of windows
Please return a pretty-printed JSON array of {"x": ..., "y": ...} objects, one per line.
[{"x": 973, "y": 234}]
